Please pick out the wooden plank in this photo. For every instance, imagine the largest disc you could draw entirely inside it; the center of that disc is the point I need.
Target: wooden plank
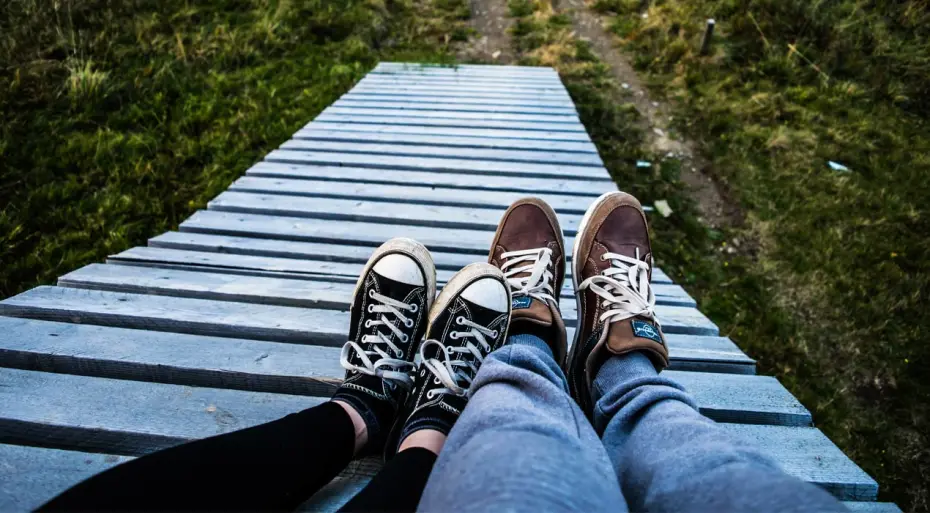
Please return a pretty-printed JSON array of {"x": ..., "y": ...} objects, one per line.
[
  {"x": 172, "y": 358},
  {"x": 493, "y": 94},
  {"x": 353, "y": 102},
  {"x": 459, "y": 68},
  {"x": 553, "y": 88},
  {"x": 508, "y": 132},
  {"x": 31, "y": 476},
  {"x": 463, "y": 180},
  {"x": 229, "y": 251},
  {"x": 869, "y": 507},
  {"x": 810, "y": 455},
  {"x": 438, "y": 216},
  {"x": 554, "y": 147},
  {"x": 214, "y": 283},
  {"x": 743, "y": 399},
  {"x": 280, "y": 290},
  {"x": 458, "y": 101},
  {"x": 540, "y": 156},
  {"x": 181, "y": 315},
  {"x": 126, "y": 417},
  {"x": 347, "y": 232},
  {"x": 536, "y": 77},
  {"x": 559, "y": 131},
  {"x": 414, "y": 193},
  {"x": 449, "y": 165},
  {"x": 560, "y": 122}
]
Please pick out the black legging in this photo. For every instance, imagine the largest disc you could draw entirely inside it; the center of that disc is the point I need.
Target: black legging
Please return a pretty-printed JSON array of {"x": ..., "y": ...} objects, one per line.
[{"x": 273, "y": 466}]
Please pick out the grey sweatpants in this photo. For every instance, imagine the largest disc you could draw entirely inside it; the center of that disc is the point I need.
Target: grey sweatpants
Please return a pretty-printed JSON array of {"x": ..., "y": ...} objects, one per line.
[{"x": 522, "y": 444}]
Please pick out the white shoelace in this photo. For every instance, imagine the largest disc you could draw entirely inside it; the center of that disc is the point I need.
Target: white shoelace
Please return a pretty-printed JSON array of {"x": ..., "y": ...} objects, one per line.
[
  {"x": 537, "y": 262},
  {"x": 389, "y": 365},
  {"x": 624, "y": 288},
  {"x": 451, "y": 370}
]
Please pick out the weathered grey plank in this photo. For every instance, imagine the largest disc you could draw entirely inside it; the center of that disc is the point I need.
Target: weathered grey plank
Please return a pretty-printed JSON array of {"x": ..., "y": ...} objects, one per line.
[
  {"x": 868, "y": 507},
  {"x": 443, "y": 141},
  {"x": 507, "y": 132},
  {"x": 322, "y": 158},
  {"x": 126, "y": 417},
  {"x": 493, "y": 84},
  {"x": 683, "y": 320},
  {"x": 213, "y": 283},
  {"x": 354, "y": 102},
  {"x": 417, "y": 99},
  {"x": 562, "y": 122},
  {"x": 343, "y": 232},
  {"x": 541, "y": 155},
  {"x": 494, "y": 69},
  {"x": 810, "y": 455},
  {"x": 230, "y": 251},
  {"x": 743, "y": 399},
  {"x": 530, "y": 78},
  {"x": 461, "y": 180},
  {"x": 438, "y": 216},
  {"x": 572, "y": 132},
  {"x": 31, "y": 476},
  {"x": 707, "y": 354},
  {"x": 413, "y": 193},
  {"x": 457, "y": 92},
  {"x": 182, "y": 315},
  {"x": 173, "y": 358}
]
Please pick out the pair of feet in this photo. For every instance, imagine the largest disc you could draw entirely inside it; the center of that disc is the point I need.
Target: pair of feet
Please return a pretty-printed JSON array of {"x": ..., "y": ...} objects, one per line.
[{"x": 410, "y": 361}]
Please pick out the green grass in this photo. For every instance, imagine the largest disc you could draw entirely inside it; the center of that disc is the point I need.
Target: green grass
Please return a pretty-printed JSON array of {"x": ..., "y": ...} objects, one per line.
[
  {"x": 122, "y": 118},
  {"x": 828, "y": 284}
]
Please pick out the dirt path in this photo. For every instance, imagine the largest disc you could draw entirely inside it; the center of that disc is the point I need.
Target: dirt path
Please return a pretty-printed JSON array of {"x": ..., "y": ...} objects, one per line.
[
  {"x": 490, "y": 18},
  {"x": 715, "y": 210}
]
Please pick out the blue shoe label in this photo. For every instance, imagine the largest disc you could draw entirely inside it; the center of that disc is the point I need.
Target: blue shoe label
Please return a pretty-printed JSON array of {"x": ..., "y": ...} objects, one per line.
[
  {"x": 645, "y": 330},
  {"x": 520, "y": 303}
]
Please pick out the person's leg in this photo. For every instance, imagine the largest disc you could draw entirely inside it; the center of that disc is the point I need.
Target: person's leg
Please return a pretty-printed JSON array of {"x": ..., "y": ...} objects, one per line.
[
  {"x": 278, "y": 465},
  {"x": 669, "y": 457},
  {"x": 522, "y": 444},
  {"x": 398, "y": 486},
  {"x": 273, "y": 466}
]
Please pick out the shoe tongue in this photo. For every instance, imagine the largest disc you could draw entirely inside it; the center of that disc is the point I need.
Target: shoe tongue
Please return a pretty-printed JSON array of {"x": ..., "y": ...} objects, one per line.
[
  {"x": 620, "y": 334},
  {"x": 529, "y": 309}
]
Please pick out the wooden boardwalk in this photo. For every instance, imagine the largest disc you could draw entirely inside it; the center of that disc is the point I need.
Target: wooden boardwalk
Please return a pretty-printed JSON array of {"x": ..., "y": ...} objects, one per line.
[{"x": 237, "y": 318}]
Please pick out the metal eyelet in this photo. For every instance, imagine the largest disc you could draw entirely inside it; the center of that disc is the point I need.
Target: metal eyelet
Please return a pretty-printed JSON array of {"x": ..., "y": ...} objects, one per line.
[
  {"x": 408, "y": 323},
  {"x": 430, "y": 394},
  {"x": 368, "y": 323},
  {"x": 371, "y": 308},
  {"x": 494, "y": 334},
  {"x": 460, "y": 320},
  {"x": 454, "y": 335},
  {"x": 371, "y": 292},
  {"x": 414, "y": 308},
  {"x": 403, "y": 337},
  {"x": 436, "y": 381},
  {"x": 398, "y": 354}
]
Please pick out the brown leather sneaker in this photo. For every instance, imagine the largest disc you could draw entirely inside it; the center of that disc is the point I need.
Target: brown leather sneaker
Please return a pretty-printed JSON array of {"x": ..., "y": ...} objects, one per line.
[
  {"x": 528, "y": 248},
  {"x": 611, "y": 271}
]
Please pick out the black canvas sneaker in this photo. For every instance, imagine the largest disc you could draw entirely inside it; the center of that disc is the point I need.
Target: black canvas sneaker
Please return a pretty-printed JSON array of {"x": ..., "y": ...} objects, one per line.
[
  {"x": 388, "y": 318},
  {"x": 469, "y": 320}
]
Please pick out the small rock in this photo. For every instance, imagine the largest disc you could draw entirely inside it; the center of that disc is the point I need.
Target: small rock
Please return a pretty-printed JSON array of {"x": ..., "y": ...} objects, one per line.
[
  {"x": 625, "y": 85},
  {"x": 836, "y": 166},
  {"x": 496, "y": 54},
  {"x": 659, "y": 132},
  {"x": 670, "y": 155},
  {"x": 645, "y": 15},
  {"x": 662, "y": 208},
  {"x": 643, "y": 163},
  {"x": 655, "y": 104}
]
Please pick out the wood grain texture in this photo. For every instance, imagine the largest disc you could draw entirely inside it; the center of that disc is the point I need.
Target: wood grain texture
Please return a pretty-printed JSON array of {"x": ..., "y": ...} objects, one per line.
[
  {"x": 541, "y": 155},
  {"x": 172, "y": 358},
  {"x": 533, "y": 79},
  {"x": 230, "y": 246},
  {"x": 528, "y": 105},
  {"x": 457, "y": 92},
  {"x": 559, "y": 122},
  {"x": 415, "y": 194},
  {"x": 181, "y": 315},
  {"x": 437, "y": 216},
  {"x": 460, "y": 180},
  {"x": 125, "y": 417},
  {"x": 555, "y": 147},
  {"x": 557, "y": 131},
  {"x": 459, "y": 68},
  {"x": 438, "y": 165},
  {"x": 489, "y": 96},
  {"x": 508, "y": 132},
  {"x": 871, "y": 507},
  {"x": 457, "y": 84}
]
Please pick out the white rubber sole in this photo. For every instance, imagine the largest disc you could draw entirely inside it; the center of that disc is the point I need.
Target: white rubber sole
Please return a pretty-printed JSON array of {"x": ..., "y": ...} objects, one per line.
[
  {"x": 575, "y": 269},
  {"x": 414, "y": 250}
]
